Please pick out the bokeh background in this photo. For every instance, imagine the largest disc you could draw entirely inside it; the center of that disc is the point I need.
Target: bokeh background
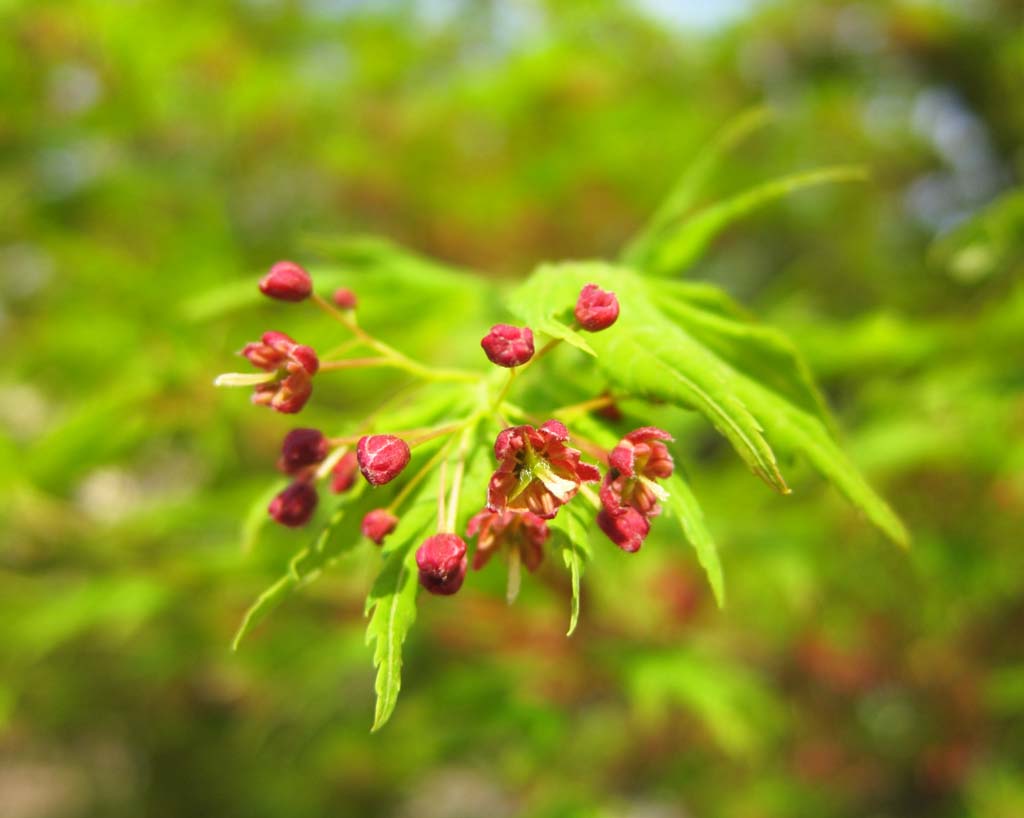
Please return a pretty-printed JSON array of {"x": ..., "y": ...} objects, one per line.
[{"x": 154, "y": 152}]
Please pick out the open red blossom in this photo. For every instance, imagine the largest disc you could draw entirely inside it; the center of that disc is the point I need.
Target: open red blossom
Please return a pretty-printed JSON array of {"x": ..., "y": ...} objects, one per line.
[
  {"x": 635, "y": 464},
  {"x": 302, "y": 448},
  {"x": 287, "y": 281},
  {"x": 295, "y": 505},
  {"x": 377, "y": 524},
  {"x": 294, "y": 364},
  {"x": 343, "y": 475},
  {"x": 596, "y": 309},
  {"x": 508, "y": 346},
  {"x": 442, "y": 563},
  {"x": 537, "y": 472},
  {"x": 627, "y": 528},
  {"x": 382, "y": 458},
  {"x": 345, "y": 298},
  {"x": 523, "y": 531}
]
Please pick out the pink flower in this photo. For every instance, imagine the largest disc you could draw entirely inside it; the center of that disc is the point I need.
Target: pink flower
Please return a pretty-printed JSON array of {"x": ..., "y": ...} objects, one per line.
[
  {"x": 287, "y": 281},
  {"x": 627, "y": 528},
  {"x": 537, "y": 472},
  {"x": 596, "y": 309},
  {"x": 508, "y": 346},
  {"x": 343, "y": 475},
  {"x": 345, "y": 298},
  {"x": 442, "y": 563},
  {"x": 377, "y": 524},
  {"x": 518, "y": 530},
  {"x": 302, "y": 448},
  {"x": 635, "y": 465},
  {"x": 295, "y": 364},
  {"x": 295, "y": 505},
  {"x": 382, "y": 458}
]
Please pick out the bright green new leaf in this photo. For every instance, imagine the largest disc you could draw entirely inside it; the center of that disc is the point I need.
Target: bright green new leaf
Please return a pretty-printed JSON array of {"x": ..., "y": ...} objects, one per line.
[
  {"x": 650, "y": 353},
  {"x": 572, "y": 526}
]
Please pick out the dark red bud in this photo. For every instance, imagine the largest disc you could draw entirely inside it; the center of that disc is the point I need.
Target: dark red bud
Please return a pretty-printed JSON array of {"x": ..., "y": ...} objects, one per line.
[
  {"x": 627, "y": 528},
  {"x": 508, "y": 346},
  {"x": 596, "y": 309},
  {"x": 287, "y": 281},
  {"x": 345, "y": 298},
  {"x": 442, "y": 563},
  {"x": 382, "y": 458},
  {"x": 302, "y": 448},
  {"x": 294, "y": 506},
  {"x": 377, "y": 524},
  {"x": 343, "y": 475}
]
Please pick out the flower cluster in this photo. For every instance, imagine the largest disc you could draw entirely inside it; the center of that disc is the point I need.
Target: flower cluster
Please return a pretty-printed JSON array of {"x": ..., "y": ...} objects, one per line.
[{"x": 537, "y": 470}]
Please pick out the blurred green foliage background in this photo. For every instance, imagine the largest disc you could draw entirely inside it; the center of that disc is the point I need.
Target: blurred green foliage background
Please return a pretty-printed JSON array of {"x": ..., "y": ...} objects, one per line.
[{"x": 152, "y": 152}]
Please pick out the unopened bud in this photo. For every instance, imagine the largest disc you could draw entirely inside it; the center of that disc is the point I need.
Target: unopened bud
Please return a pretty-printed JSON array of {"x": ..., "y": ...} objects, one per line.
[
  {"x": 442, "y": 563},
  {"x": 377, "y": 524},
  {"x": 508, "y": 346},
  {"x": 345, "y": 298},
  {"x": 627, "y": 528},
  {"x": 302, "y": 448},
  {"x": 382, "y": 458},
  {"x": 596, "y": 309},
  {"x": 295, "y": 505},
  {"x": 287, "y": 281},
  {"x": 343, "y": 475}
]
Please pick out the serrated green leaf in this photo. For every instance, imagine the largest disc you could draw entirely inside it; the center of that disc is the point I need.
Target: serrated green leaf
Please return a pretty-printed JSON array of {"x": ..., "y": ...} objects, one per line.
[
  {"x": 572, "y": 525},
  {"x": 392, "y": 605},
  {"x": 650, "y": 354},
  {"x": 692, "y": 181},
  {"x": 647, "y": 355},
  {"x": 758, "y": 351},
  {"x": 683, "y": 505},
  {"x": 677, "y": 247},
  {"x": 303, "y": 567}
]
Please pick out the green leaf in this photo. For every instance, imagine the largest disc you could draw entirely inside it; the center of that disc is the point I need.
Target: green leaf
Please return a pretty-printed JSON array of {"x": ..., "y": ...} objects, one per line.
[
  {"x": 676, "y": 248},
  {"x": 683, "y": 505},
  {"x": 392, "y": 601},
  {"x": 713, "y": 367},
  {"x": 305, "y": 565},
  {"x": 572, "y": 529},
  {"x": 692, "y": 181},
  {"x": 647, "y": 355}
]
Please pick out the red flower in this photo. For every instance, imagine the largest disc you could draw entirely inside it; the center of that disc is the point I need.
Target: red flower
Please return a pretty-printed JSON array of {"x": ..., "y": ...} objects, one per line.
[
  {"x": 520, "y": 530},
  {"x": 295, "y": 505},
  {"x": 287, "y": 281},
  {"x": 382, "y": 458},
  {"x": 442, "y": 563},
  {"x": 596, "y": 309},
  {"x": 627, "y": 528},
  {"x": 537, "y": 472},
  {"x": 345, "y": 298},
  {"x": 638, "y": 460},
  {"x": 302, "y": 448},
  {"x": 343, "y": 475},
  {"x": 377, "y": 524},
  {"x": 508, "y": 346},
  {"x": 295, "y": 364}
]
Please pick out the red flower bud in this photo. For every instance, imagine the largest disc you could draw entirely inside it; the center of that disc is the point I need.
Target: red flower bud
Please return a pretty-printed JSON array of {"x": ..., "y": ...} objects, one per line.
[
  {"x": 508, "y": 346},
  {"x": 442, "y": 563},
  {"x": 635, "y": 465},
  {"x": 345, "y": 298},
  {"x": 596, "y": 309},
  {"x": 302, "y": 448},
  {"x": 295, "y": 505},
  {"x": 343, "y": 475},
  {"x": 627, "y": 528},
  {"x": 377, "y": 524},
  {"x": 382, "y": 458},
  {"x": 287, "y": 281}
]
